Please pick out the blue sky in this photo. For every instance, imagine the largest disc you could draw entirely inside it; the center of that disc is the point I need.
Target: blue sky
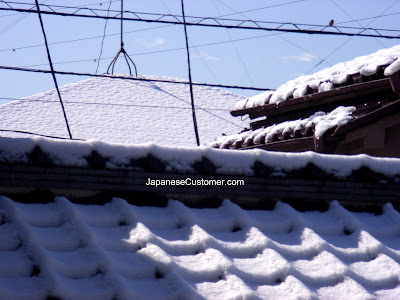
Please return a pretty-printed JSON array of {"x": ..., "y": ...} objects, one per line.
[{"x": 254, "y": 58}]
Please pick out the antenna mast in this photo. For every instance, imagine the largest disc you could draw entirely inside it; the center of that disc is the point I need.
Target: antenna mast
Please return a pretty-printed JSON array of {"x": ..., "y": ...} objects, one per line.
[{"x": 122, "y": 49}]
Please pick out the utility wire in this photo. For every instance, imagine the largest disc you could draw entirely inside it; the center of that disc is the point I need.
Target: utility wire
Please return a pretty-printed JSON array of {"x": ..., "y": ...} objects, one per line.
[
  {"x": 175, "y": 49},
  {"x": 205, "y": 109},
  {"x": 134, "y": 78},
  {"x": 38, "y": 134},
  {"x": 78, "y": 6},
  {"x": 51, "y": 67},
  {"x": 277, "y": 34},
  {"x": 111, "y": 104},
  {"x": 193, "y": 47},
  {"x": 82, "y": 39},
  {"x": 216, "y": 22},
  {"x": 348, "y": 40},
  {"x": 9, "y": 26},
  {"x": 262, "y": 8},
  {"x": 234, "y": 47},
  {"x": 164, "y": 26},
  {"x": 338, "y": 6},
  {"x": 104, "y": 35},
  {"x": 196, "y": 132}
]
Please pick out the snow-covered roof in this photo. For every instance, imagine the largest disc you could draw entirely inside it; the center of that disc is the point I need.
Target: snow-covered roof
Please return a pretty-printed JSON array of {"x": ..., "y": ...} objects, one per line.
[
  {"x": 118, "y": 250},
  {"x": 125, "y": 111},
  {"x": 385, "y": 60},
  {"x": 66, "y": 153},
  {"x": 316, "y": 125}
]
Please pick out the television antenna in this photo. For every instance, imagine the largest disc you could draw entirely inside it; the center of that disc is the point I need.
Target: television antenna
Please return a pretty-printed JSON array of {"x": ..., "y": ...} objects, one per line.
[{"x": 122, "y": 49}]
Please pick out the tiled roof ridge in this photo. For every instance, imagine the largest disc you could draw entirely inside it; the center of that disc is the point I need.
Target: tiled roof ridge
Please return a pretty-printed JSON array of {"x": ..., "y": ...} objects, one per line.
[
  {"x": 43, "y": 152},
  {"x": 378, "y": 65}
]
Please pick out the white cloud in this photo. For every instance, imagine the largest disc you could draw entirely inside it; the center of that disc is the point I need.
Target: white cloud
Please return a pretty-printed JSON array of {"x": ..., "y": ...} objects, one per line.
[
  {"x": 205, "y": 56},
  {"x": 151, "y": 43},
  {"x": 304, "y": 57},
  {"x": 295, "y": 75}
]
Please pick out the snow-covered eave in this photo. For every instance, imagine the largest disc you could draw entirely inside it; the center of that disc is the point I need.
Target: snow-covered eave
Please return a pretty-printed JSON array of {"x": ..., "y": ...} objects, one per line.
[
  {"x": 379, "y": 65},
  {"x": 321, "y": 132},
  {"x": 303, "y": 105}
]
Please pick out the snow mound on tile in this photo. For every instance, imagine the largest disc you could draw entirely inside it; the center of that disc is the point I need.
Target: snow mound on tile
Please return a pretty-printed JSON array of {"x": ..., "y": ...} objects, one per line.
[
  {"x": 321, "y": 121},
  {"x": 118, "y": 250}
]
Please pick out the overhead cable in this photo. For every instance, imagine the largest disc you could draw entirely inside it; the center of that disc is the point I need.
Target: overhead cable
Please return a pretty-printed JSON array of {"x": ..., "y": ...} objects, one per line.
[
  {"x": 111, "y": 104},
  {"x": 134, "y": 78},
  {"x": 38, "y": 134},
  {"x": 102, "y": 41},
  {"x": 196, "y": 131},
  {"x": 52, "y": 69},
  {"x": 209, "y": 21}
]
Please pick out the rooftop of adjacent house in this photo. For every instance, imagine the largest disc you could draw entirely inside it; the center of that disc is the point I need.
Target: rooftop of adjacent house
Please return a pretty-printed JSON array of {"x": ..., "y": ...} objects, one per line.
[
  {"x": 382, "y": 63},
  {"x": 346, "y": 96},
  {"x": 125, "y": 111}
]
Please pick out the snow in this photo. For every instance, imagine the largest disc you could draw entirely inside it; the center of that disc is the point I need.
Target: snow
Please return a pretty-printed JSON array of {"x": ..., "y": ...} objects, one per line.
[
  {"x": 324, "y": 80},
  {"x": 338, "y": 117},
  {"x": 320, "y": 120},
  {"x": 177, "y": 252},
  {"x": 393, "y": 68},
  {"x": 125, "y": 111},
  {"x": 66, "y": 153}
]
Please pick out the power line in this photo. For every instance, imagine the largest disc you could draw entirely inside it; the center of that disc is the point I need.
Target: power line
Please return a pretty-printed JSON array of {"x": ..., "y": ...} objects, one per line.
[
  {"x": 196, "y": 131},
  {"x": 82, "y": 39},
  {"x": 83, "y": 5},
  {"x": 164, "y": 26},
  {"x": 262, "y": 8},
  {"x": 234, "y": 47},
  {"x": 192, "y": 47},
  {"x": 348, "y": 40},
  {"x": 15, "y": 22},
  {"x": 338, "y": 6},
  {"x": 369, "y": 18},
  {"x": 213, "y": 22},
  {"x": 195, "y": 49},
  {"x": 51, "y": 68},
  {"x": 38, "y": 134},
  {"x": 66, "y": 101},
  {"x": 102, "y": 41},
  {"x": 133, "y": 78}
]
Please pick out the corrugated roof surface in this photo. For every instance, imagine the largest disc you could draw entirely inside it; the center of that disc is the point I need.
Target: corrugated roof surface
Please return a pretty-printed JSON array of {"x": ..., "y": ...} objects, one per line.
[{"x": 122, "y": 251}]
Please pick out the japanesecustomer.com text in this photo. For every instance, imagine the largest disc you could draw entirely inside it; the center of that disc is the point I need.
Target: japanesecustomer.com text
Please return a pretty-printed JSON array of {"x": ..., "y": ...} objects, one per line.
[{"x": 194, "y": 182}]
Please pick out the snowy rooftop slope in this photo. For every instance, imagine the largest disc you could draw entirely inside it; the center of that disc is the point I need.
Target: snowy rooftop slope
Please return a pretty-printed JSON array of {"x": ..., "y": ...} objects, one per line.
[
  {"x": 118, "y": 250},
  {"x": 317, "y": 125},
  {"x": 125, "y": 111},
  {"x": 67, "y": 153},
  {"x": 326, "y": 79}
]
